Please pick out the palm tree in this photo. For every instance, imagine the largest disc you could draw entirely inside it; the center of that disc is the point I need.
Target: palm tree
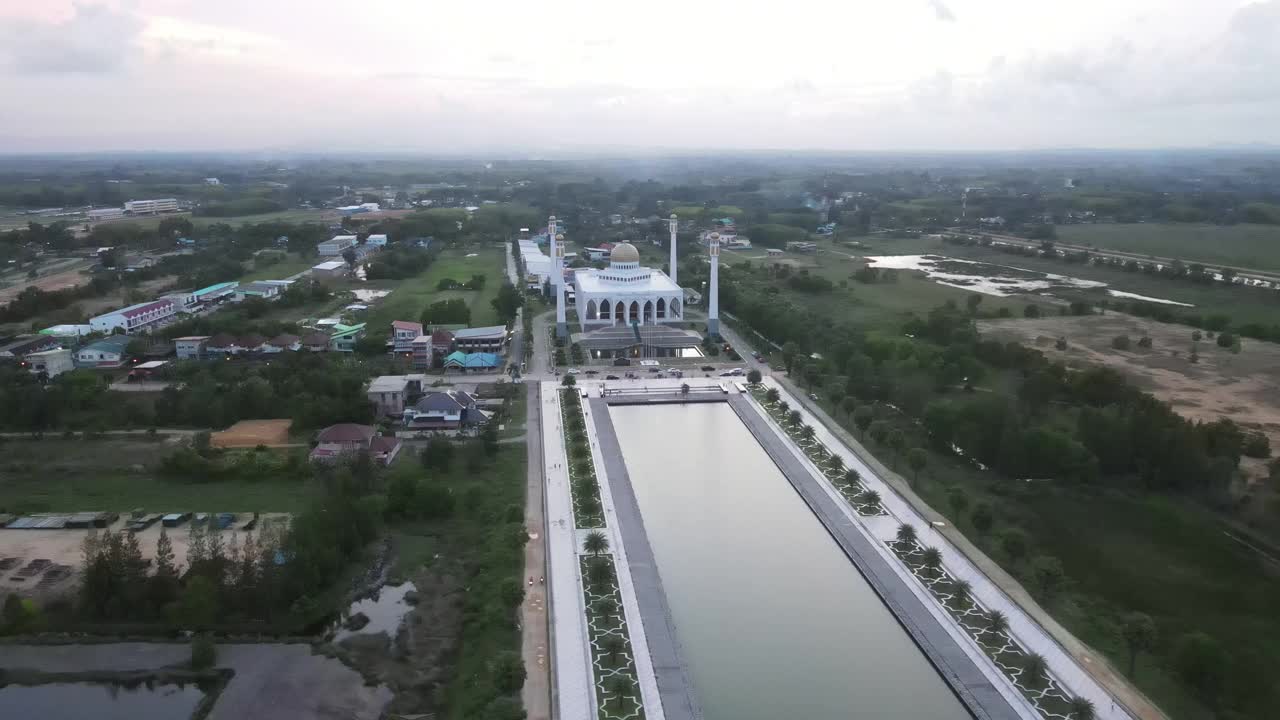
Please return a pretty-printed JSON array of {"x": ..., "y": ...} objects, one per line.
[
  {"x": 595, "y": 543},
  {"x": 851, "y": 477},
  {"x": 793, "y": 417},
  {"x": 869, "y": 497},
  {"x": 771, "y": 395},
  {"x": 619, "y": 686},
  {"x": 612, "y": 645},
  {"x": 807, "y": 432},
  {"x": 784, "y": 406},
  {"x": 836, "y": 462},
  {"x": 1081, "y": 709},
  {"x": 1034, "y": 668},
  {"x": 932, "y": 558},
  {"x": 961, "y": 591},
  {"x": 997, "y": 622},
  {"x": 906, "y": 533},
  {"x": 600, "y": 572}
]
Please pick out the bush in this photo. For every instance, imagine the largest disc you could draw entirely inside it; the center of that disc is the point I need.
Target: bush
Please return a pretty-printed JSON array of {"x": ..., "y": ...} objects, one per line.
[
  {"x": 1227, "y": 340},
  {"x": 1256, "y": 445},
  {"x": 1121, "y": 342},
  {"x": 204, "y": 654}
]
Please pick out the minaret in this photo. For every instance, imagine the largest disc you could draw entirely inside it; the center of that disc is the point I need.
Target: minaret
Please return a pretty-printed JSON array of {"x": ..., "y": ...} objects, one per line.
[
  {"x": 673, "y": 223},
  {"x": 562, "y": 329},
  {"x": 713, "y": 303}
]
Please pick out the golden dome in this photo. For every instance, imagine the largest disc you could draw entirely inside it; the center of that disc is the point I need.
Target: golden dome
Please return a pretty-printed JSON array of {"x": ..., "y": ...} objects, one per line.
[{"x": 624, "y": 253}]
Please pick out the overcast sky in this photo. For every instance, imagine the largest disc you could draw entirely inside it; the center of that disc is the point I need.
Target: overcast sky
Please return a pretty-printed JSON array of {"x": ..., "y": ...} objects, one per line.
[{"x": 547, "y": 75}]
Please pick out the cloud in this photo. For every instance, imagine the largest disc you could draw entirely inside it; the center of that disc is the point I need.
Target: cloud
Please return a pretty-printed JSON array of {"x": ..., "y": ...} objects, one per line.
[
  {"x": 95, "y": 39},
  {"x": 942, "y": 11}
]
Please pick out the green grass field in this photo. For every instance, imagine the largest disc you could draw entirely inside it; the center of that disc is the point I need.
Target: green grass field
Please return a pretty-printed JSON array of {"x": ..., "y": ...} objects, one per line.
[
  {"x": 410, "y": 297},
  {"x": 291, "y": 265},
  {"x": 1248, "y": 246},
  {"x": 57, "y": 475}
]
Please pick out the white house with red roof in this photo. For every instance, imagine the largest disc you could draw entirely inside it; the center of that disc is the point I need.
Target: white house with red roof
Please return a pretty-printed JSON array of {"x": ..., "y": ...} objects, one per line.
[
  {"x": 403, "y": 333},
  {"x": 135, "y": 318}
]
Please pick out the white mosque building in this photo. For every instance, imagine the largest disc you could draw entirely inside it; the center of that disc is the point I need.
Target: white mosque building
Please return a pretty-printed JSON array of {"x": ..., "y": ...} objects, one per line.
[{"x": 626, "y": 293}]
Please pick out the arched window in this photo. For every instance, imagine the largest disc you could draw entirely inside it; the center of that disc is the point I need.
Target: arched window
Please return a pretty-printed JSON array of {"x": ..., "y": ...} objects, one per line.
[
  {"x": 662, "y": 309},
  {"x": 634, "y": 314},
  {"x": 648, "y": 311},
  {"x": 605, "y": 310},
  {"x": 591, "y": 309},
  {"x": 675, "y": 307}
]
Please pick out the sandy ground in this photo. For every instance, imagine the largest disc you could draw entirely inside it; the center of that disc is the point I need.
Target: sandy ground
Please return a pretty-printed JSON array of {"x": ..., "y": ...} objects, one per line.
[
  {"x": 1243, "y": 387},
  {"x": 251, "y": 433},
  {"x": 56, "y": 281},
  {"x": 271, "y": 681},
  {"x": 63, "y": 547}
]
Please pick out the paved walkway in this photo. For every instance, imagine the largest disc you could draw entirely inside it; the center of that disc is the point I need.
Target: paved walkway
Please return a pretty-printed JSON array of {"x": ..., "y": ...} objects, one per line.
[
  {"x": 535, "y": 640},
  {"x": 665, "y": 685},
  {"x": 574, "y": 694},
  {"x": 1026, "y": 630}
]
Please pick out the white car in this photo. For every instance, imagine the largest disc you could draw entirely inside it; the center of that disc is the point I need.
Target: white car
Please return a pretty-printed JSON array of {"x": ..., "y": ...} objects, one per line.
[{"x": 573, "y": 371}]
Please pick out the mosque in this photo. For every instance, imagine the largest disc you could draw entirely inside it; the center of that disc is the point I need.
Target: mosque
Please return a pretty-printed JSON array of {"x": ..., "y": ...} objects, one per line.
[{"x": 628, "y": 310}]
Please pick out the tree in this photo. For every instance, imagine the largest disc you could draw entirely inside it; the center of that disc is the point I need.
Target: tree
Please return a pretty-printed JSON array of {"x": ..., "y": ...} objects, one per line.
[
  {"x": 595, "y": 543},
  {"x": 1034, "y": 669},
  {"x": 1121, "y": 342},
  {"x": 962, "y": 591},
  {"x": 790, "y": 351},
  {"x": 507, "y": 670},
  {"x": 771, "y": 395},
  {"x": 1081, "y": 709},
  {"x": 794, "y": 417},
  {"x": 1227, "y": 340},
  {"x": 973, "y": 301},
  {"x": 197, "y": 606},
  {"x": 869, "y": 497},
  {"x": 982, "y": 518},
  {"x": 917, "y": 459},
  {"x": 1048, "y": 575},
  {"x": 1139, "y": 633},
  {"x": 807, "y": 432},
  {"x": 350, "y": 256},
  {"x": 958, "y": 500},
  {"x": 932, "y": 559},
  {"x": 438, "y": 454},
  {"x": 851, "y": 477},
  {"x": 1031, "y": 311},
  {"x": 204, "y": 654},
  {"x": 862, "y": 419},
  {"x": 619, "y": 686},
  {"x": 612, "y": 646},
  {"x": 996, "y": 622},
  {"x": 508, "y": 301},
  {"x": 1014, "y": 543},
  {"x": 1201, "y": 663},
  {"x": 880, "y": 431},
  {"x": 569, "y": 381},
  {"x": 753, "y": 376},
  {"x": 906, "y": 533}
]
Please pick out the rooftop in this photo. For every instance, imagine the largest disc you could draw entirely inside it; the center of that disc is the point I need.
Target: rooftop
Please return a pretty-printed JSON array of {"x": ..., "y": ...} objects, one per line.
[{"x": 481, "y": 333}]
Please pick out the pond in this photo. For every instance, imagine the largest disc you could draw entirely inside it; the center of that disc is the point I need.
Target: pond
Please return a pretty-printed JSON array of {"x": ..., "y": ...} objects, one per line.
[
  {"x": 100, "y": 701},
  {"x": 385, "y": 609},
  {"x": 985, "y": 278},
  {"x": 774, "y": 619}
]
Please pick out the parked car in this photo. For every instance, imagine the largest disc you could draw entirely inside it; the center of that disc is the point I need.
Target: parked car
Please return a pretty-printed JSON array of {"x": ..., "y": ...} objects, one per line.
[
  {"x": 708, "y": 368},
  {"x": 593, "y": 372},
  {"x": 731, "y": 373},
  {"x": 573, "y": 371},
  {"x": 610, "y": 377},
  {"x": 655, "y": 369}
]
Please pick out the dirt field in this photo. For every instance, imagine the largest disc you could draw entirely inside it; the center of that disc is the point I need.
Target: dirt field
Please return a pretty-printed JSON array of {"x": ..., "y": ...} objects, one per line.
[
  {"x": 56, "y": 281},
  {"x": 63, "y": 548},
  {"x": 251, "y": 433},
  {"x": 1243, "y": 387}
]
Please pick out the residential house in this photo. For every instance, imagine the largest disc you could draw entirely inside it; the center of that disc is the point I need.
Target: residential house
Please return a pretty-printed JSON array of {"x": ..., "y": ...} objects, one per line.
[
  {"x": 441, "y": 342},
  {"x": 316, "y": 342},
  {"x": 135, "y": 318},
  {"x": 135, "y": 262},
  {"x": 330, "y": 270},
  {"x": 49, "y": 363},
  {"x": 190, "y": 347},
  {"x": 264, "y": 290},
  {"x": 474, "y": 362},
  {"x": 106, "y": 353},
  {"x": 487, "y": 339},
  {"x": 216, "y": 293},
  {"x": 447, "y": 410},
  {"x": 280, "y": 343},
  {"x": 344, "y": 337},
  {"x": 27, "y": 345},
  {"x": 225, "y": 344},
  {"x": 389, "y": 393},
  {"x": 334, "y": 246},
  {"x": 403, "y": 333},
  {"x": 420, "y": 351},
  {"x": 183, "y": 302},
  {"x": 338, "y": 441},
  {"x": 379, "y": 240},
  {"x": 253, "y": 342}
]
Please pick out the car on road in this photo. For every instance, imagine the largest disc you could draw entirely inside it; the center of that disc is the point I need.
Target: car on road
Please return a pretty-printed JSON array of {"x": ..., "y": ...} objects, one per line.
[
  {"x": 731, "y": 373},
  {"x": 573, "y": 371},
  {"x": 655, "y": 369},
  {"x": 708, "y": 368},
  {"x": 813, "y": 396},
  {"x": 610, "y": 377},
  {"x": 593, "y": 372}
]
